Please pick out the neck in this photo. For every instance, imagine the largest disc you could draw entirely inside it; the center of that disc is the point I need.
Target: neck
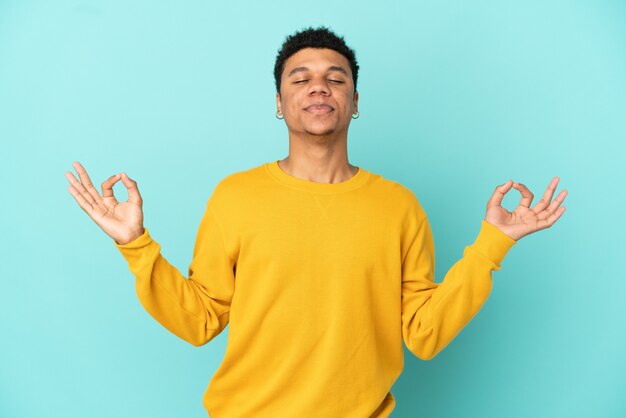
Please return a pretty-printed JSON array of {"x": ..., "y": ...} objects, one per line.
[{"x": 318, "y": 158}]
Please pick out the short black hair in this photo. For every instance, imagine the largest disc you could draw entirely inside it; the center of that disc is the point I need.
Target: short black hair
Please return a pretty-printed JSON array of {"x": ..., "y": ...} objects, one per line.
[{"x": 321, "y": 37}]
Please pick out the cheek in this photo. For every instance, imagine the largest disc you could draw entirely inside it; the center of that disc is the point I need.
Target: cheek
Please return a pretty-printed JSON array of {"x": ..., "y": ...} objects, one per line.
[
  {"x": 349, "y": 99},
  {"x": 287, "y": 102},
  {"x": 290, "y": 108}
]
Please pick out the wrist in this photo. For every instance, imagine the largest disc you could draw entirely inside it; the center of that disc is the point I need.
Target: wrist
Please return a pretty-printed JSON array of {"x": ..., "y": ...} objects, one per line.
[
  {"x": 131, "y": 238},
  {"x": 516, "y": 235}
]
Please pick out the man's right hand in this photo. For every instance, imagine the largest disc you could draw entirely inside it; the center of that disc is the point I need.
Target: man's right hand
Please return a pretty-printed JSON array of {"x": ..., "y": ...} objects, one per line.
[{"x": 121, "y": 221}]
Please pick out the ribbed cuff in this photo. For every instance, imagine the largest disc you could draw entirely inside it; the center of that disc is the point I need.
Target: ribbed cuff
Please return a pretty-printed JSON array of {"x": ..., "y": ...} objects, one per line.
[
  {"x": 141, "y": 241},
  {"x": 492, "y": 243}
]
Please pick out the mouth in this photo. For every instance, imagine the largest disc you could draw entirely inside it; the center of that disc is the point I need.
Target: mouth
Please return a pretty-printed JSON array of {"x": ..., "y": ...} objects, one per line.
[{"x": 319, "y": 109}]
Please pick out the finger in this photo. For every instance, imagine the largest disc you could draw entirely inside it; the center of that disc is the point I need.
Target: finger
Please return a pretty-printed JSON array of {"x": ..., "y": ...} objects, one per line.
[
  {"x": 94, "y": 211},
  {"x": 82, "y": 202},
  {"x": 527, "y": 196},
  {"x": 547, "y": 196},
  {"x": 553, "y": 207},
  {"x": 133, "y": 191},
  {"x": 86, "y": 181},
  {"x": 107, "y": 187},
  {"x": 498, "y": 194},
  {"x": 546, "y": 223},
  {"x": 79, "y": 188}
]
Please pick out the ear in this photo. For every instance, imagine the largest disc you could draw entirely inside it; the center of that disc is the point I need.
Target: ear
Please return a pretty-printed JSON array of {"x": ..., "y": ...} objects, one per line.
[
  {"x": 356, "y": 101},
  {"x": 278, "y": 105}
]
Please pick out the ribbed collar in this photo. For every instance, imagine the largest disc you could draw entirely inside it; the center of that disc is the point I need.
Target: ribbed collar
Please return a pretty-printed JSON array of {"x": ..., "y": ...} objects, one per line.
[{"x": 311, "y": 186}]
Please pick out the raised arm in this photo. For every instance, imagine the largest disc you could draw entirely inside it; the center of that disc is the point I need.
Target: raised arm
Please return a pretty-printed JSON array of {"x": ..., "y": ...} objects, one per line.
[
  {"x": 434, "y": 313},
  {"x": 195, "y": 309}
]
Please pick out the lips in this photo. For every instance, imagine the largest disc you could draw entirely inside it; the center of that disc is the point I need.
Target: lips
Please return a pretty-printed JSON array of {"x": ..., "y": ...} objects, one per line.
[{"x": 319, "y": 108}]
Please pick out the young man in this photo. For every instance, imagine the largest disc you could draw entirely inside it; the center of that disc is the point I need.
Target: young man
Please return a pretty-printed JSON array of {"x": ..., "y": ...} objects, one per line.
[{"x": 322, "y": 268}]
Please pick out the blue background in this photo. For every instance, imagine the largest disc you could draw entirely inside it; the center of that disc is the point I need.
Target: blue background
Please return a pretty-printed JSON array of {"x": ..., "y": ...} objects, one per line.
[{"x": 455, "y": 99}]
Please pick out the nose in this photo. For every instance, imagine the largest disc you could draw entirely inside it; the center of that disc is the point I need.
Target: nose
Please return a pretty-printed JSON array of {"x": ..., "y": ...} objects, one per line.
[{"x": 318, "y": 85}]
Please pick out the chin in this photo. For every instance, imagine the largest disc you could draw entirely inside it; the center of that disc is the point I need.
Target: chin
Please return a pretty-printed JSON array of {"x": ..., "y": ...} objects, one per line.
[
  {"x": 321, "y": 129},
  {"x": 320, "y": 132}
]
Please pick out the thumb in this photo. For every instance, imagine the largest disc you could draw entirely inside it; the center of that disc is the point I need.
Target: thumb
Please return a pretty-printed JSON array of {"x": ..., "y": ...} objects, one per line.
[
  {"x": 498, "y": 194},
  {"x": 133, "y": 191}
]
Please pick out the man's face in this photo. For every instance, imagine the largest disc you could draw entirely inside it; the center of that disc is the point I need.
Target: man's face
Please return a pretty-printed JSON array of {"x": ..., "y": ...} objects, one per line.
[{"x": 317, "y": 94}]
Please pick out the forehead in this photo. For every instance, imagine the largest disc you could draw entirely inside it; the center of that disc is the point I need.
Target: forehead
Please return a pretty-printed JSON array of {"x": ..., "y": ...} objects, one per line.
[{"x": 316, "y": 59}]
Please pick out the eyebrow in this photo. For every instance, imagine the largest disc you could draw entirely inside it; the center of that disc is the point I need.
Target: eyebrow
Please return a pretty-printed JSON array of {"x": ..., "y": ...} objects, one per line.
[{"x": 331, "y": 68}]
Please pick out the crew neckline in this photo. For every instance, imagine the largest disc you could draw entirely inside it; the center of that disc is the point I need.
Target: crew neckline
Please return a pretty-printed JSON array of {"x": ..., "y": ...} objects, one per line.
[{"x": 283, "y": 177}]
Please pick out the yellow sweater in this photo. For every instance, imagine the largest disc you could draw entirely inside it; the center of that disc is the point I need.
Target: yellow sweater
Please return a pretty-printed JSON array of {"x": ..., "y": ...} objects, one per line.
[{"x": 321, "y": 283}]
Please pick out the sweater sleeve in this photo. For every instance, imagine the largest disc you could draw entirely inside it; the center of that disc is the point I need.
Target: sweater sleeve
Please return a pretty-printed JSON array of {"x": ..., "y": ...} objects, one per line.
[
  {"x": 195, "y": 309},
  {"x": 434, "y": 313}
]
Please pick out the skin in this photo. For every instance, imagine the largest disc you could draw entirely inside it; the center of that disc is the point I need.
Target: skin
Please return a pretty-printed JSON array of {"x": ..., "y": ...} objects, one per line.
[
  {"x": 525, "y": 220},
  {"x": 121, "y": 221},
  {"x": 317, "y": 152},
  {"x": 317, "y": 136}
]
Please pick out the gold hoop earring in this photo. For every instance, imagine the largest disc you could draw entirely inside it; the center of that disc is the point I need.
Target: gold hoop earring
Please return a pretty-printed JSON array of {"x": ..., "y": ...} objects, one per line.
[
  {"x": 356, "y": 115},
  {"x": 279, "y": 115}
]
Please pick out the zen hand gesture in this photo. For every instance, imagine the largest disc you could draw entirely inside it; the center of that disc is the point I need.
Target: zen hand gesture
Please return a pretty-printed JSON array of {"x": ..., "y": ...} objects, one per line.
[
  {"x": 121, "y": 221},
  {"x": 525, "y": 220}
]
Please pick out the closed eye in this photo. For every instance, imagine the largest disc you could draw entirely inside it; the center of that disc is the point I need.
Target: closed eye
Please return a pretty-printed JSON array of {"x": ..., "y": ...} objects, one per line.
[{"x": 337, "y": 81}]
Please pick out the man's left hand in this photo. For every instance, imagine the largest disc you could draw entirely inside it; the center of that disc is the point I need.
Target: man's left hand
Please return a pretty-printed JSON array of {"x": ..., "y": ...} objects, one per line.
[{"x": 525, "y": 220}]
